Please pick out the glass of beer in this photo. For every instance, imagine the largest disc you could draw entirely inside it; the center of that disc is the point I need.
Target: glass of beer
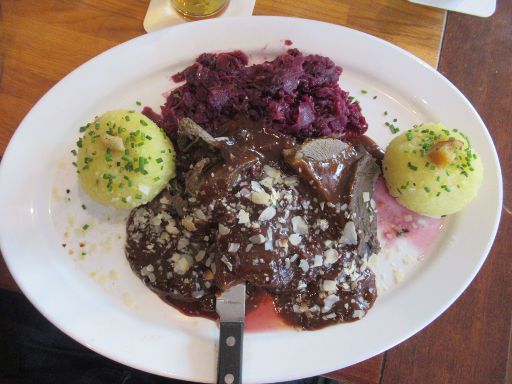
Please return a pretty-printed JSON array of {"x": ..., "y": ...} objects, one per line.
[{"x": 199, "y": 9}]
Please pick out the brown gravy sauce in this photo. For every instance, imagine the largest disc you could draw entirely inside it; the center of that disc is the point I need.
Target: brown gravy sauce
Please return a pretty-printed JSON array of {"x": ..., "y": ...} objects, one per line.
[{"x": 298, "y": 232}]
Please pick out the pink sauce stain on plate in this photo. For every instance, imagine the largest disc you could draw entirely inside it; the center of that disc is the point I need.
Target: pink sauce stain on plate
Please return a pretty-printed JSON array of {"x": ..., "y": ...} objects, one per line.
[
  {"x": 395, "y": 221},
  {"x": 264, "y": 317}
]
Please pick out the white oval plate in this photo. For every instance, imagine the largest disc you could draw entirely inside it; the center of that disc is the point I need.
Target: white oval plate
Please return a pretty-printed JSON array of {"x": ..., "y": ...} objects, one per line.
[{"x": 97, "y": 300}]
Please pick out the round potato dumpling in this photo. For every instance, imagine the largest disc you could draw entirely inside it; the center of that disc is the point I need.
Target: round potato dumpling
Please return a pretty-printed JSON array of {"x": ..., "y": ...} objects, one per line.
[
  {"x": 124, "y": 159},
  {"x": 432, "y": 170}
]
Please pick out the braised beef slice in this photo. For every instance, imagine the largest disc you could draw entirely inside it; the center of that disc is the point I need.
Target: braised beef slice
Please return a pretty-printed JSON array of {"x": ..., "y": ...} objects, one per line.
[
  {"x": 342, "y": 172},
  {"x": 324, "y": 164},
  {"x": 252, "y": 205},
  {"x": 219, "y": 175},
  {"x": 151, "y": 249},
  {"x": 362, "y": 204}
]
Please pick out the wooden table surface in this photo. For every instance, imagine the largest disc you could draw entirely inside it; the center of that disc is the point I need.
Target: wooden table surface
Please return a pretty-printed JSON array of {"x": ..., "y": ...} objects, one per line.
[{"x": 41, "y": 41}]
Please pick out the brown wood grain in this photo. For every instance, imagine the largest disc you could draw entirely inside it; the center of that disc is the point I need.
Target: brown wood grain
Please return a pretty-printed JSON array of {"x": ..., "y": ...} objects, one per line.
[
  {"x": 6, "y": 280},
  {"x": 42, "y": 41},
  {"x": 470, "y": 342},
  {"x": 366, "y": 372},
  {"x": 415, "y": 28}
]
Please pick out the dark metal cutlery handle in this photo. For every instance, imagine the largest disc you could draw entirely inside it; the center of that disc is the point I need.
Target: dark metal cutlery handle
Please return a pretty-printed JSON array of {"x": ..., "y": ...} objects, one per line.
[{"x": 230, "y": 353}]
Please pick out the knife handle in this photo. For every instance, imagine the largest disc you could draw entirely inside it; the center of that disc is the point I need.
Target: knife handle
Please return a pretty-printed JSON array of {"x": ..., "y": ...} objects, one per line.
[{"x": 230, "y": 353}]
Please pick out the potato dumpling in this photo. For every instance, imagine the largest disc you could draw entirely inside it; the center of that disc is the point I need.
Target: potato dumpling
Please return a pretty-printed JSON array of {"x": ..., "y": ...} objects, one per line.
[
  {"x": 124, "y": 159},
  {"x": 432, "y": 170}
]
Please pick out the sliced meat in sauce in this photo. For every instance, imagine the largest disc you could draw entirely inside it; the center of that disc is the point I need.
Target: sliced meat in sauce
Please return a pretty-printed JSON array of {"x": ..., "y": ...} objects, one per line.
[{"x": 296, "y": 220}]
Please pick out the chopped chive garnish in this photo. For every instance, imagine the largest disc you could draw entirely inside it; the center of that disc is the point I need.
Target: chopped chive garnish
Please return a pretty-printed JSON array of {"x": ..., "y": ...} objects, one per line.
[
  {"x": 108, "y": 155},
  {"x": 364, "y": 91},
  {"x": 85, "y": 226},
  {"x": 109, "y": 177},
  {"x": 84, "y": 207},
  {"x": 394, "y": 129},
  {"x": 138, "y": 103},
  {"x": 427, "y": 189},
  {"x": 128, "y": 180},
  {"x": 143, "y": 123},
  {"x": 159, "y": 160},
  {"x": 141, "y": 164},
  {"x": 411, "y": 166}
]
